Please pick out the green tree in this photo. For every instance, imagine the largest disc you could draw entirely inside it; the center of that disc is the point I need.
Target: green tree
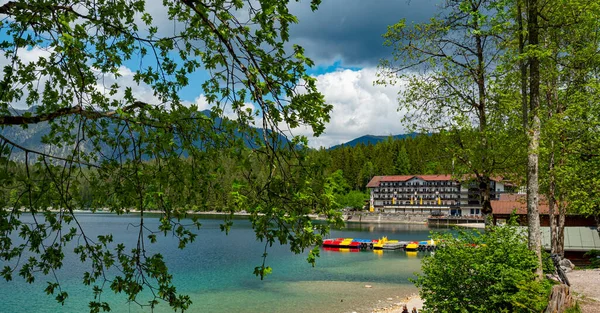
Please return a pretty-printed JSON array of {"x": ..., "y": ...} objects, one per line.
[
  {"x": 552, "y": 50},
  {"x": 482, "y": 272},
  {"x": 385, "y": 156},
  {"x": 353, "y": 199},
  {"x": 448, "y": 65},
  {"x": 366, "y": 174},
  {"x": 132, "y": 149},
  {"x": 403, "y": 162},
  {"x": 570, "y": 92},
  {"x": 532, "y": 129}
]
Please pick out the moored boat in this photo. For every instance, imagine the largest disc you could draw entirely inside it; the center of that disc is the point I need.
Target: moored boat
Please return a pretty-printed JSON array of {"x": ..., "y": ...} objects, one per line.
[
  {"x": 378, "y": 243},
  {"x": 382, "y": 243},
  {"x": 413, "y": 246},
  {"x": 341, "y": 243},
  {"x": 393, "y": 245},
  {"x": 341, "y": 249},
  {"x": 385, "y": 243}
]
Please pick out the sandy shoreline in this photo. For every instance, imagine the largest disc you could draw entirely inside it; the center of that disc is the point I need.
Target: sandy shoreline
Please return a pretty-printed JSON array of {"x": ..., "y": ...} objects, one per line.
[{"x": 394, "y": 306}]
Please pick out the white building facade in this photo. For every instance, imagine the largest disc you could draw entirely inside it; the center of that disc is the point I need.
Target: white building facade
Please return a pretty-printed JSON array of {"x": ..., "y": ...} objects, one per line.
[{"x": 428, "y": 194}]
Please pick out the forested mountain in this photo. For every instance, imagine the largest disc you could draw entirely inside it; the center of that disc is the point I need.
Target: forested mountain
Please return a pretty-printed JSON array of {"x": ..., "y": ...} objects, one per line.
[
  {"x": 372, "y": 139},
  {"x": 413, "y": 154}
]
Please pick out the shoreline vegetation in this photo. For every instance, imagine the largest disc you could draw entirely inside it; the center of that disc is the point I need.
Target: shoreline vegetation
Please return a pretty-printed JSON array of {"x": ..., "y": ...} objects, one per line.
[
  {"x": 345, "y": 217},
  {"x": 243, "y": 213}
]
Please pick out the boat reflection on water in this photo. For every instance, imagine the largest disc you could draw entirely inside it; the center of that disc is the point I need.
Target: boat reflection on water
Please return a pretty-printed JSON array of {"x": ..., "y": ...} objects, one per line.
[
  {"x": 341, "y": 249},
  {"x": 379, "y": 252}
]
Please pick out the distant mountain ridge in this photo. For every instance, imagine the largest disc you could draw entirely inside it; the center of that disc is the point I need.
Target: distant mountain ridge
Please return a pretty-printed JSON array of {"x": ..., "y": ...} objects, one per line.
[
  {"x": 372, "y": 140},
  {"x": 31, "y": 138}
]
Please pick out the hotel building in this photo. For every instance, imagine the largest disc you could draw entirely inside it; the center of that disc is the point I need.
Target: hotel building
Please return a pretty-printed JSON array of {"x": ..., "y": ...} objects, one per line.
[{"x": 428, "y": 194}]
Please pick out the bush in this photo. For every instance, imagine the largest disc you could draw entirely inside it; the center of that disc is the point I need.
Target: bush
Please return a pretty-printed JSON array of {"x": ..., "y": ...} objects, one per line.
[
  {"x": 594, "y": 256},
  {"x": 353, "y": 199},
  {"x": 482, "y": 272},
  {"x": 532, "y": 296}
]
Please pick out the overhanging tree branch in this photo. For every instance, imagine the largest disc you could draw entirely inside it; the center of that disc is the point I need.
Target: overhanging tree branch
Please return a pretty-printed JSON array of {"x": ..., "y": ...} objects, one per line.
[
  {"x": 76, "y": 110},
  {"x": 45, "y": 155}
]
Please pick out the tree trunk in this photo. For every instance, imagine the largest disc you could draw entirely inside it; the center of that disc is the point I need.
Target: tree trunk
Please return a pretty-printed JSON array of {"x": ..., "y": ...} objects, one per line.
[
  {"x": 562, "y": 206},
  {"x": 560, "y": 234},
  {"x": 533, "y": 216},
  {"x": 560, "y": 299},
  {"x": 533, "y": 136},
  {"x": 484, "y": 180},
  {"x": 522, "y": 64},
  {"x": 552, "y": 202},
  {"x": 552, "y": 100},
  {"x": 486, "y": 205}
]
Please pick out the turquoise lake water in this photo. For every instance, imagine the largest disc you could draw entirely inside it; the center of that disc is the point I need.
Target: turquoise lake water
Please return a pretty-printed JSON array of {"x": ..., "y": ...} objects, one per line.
[{"x": 217, "y": 272}]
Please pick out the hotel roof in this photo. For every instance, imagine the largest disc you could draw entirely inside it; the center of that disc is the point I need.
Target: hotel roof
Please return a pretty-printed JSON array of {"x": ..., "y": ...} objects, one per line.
[
  {"x": 518, "y": 203},
  {"x": 402, "y": 178}
]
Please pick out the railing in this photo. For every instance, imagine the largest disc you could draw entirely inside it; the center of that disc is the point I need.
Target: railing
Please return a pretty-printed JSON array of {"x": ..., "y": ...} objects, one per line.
[
  {"x": 418, "y": 204},
  {"x": 457, "y": 217}
]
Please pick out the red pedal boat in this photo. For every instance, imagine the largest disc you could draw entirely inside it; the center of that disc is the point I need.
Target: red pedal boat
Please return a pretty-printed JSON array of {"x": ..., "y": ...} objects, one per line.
[{"x": 341, "y": 243}]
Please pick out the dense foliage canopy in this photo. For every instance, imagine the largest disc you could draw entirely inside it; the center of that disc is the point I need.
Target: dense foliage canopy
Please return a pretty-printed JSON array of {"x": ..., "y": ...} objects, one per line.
[
  {"x": 482, "y": 272},
  {"x": 103, "y": 79}
]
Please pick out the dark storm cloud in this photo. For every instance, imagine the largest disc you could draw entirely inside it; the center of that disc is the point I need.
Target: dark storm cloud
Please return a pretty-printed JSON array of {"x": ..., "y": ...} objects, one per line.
[{"x": 351, "y": 30}]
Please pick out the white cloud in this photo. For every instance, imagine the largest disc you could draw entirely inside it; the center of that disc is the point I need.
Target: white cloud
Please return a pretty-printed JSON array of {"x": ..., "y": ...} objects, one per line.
[
  {"x": 141, "y": 92},
  {"x": 202, "y": 103},
  {"x": 26, "y": 56},
  {"x": 359, "y": 107}
]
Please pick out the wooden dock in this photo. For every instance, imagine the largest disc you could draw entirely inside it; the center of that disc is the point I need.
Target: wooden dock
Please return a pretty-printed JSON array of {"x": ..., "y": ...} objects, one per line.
[{"x": 453, "y": 220}]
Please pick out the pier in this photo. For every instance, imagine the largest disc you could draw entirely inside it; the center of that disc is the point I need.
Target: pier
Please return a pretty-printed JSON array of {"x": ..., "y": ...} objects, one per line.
[
  {"x": 378, "y": 244},
  {"x": 453, "y": 220}
]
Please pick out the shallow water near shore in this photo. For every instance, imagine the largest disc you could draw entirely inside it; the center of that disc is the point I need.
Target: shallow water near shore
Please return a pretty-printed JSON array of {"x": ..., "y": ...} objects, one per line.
[{"x": 216, "y": 271}]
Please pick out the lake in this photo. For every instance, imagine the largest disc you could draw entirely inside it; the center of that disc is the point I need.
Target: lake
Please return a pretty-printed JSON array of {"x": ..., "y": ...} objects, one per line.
[{"x": 217, "y": 272}]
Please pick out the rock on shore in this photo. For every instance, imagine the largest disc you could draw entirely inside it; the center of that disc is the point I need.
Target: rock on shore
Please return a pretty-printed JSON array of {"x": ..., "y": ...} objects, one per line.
[{"x": 411, "y": 302}]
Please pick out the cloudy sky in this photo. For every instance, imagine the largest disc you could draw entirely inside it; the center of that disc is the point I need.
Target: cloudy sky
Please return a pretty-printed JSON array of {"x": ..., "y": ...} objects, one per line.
[{"x": 344, "y": 39}]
